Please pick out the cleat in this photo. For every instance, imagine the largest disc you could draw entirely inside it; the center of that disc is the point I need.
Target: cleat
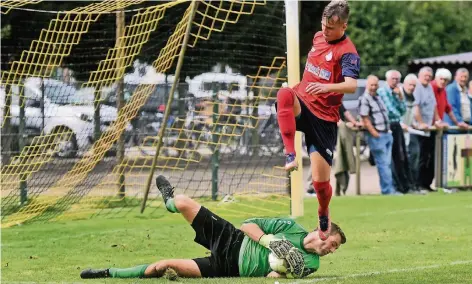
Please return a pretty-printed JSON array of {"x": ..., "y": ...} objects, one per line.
[
  {"x": 94, "y": 273},
  {"x": 324, "y": 227},
  {"x": 165, "y": 188},
  {"x": 290, "y": 163}
]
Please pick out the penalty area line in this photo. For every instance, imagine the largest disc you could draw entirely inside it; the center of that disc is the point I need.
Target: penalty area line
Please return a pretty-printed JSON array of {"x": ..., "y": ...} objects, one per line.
[{"x": 372, "y": 273}]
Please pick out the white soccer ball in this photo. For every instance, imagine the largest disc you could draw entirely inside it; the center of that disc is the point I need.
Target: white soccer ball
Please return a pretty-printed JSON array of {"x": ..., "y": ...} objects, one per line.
[{"x": 278, "y": 264}]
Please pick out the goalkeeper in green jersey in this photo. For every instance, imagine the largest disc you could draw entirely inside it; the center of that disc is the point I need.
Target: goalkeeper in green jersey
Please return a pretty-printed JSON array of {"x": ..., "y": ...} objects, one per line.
[{"x": 235, "y": 253}]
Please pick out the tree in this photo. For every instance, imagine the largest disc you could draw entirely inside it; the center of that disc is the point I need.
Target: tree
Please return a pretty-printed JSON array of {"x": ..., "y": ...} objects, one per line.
[{"x": 387, "y": 34}]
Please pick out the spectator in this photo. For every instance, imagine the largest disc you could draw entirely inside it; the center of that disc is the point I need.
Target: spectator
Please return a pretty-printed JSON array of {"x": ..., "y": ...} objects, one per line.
[
  {"x": 411, "y": 141},
  {"x": 426, "y": 115},
  {"x": 458, "y": 98},
  {"x": 344, "y": 164},
  {"x": 442, "y": 77},
  {"x": 375, "y": 119},
  {"x": 470, "y": 88},
  {"x": 393, "y": 100}
]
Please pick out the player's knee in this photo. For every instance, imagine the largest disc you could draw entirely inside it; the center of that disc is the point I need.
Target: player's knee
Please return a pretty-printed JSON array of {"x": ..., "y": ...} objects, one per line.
[{"x": 285, "y": 97}]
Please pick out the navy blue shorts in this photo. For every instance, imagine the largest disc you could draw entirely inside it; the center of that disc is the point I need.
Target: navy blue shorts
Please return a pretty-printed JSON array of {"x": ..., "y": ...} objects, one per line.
[{"x": 320, "y": 135}]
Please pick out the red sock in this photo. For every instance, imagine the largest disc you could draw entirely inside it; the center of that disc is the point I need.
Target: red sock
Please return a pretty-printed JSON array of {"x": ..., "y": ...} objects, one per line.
[
  {"x": 286, "y": 118},
  {"x": 323, "y": 193}
]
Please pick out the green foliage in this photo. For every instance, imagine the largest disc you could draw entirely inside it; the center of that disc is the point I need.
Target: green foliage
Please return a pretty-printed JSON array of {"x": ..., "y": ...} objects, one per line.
[{"x": 389, "y": 33}]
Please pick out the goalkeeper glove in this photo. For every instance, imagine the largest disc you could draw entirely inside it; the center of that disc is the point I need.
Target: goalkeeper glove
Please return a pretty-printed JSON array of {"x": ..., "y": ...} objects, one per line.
[
  {"x": 296, "y": 262},
  {"x": 279, "y": 247}
]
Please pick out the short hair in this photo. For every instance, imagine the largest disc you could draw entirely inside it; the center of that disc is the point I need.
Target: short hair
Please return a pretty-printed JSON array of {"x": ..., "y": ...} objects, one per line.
[
  {"x": 410, "y": 77},
  {"x": 339, "y": 8},
  {"x": 372, "y": 77},
  {"x": 335, "y": 229},
  {"x": 389, "y": 73},
  {"x": 426, "y": 69},
  {"x": 462, "y": 70},
  {"x": 443, "y": 73}
]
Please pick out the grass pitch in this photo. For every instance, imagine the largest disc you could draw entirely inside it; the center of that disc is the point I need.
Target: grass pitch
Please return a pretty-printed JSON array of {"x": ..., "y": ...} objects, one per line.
[{"x": 397, "y": 239}]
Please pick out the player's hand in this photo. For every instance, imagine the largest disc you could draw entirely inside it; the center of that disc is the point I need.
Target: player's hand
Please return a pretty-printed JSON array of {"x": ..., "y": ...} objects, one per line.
[
  {"x": 279, "y": 247},
  {"x": 296, "y": 262},
  {"x": 316, "y": 88}
]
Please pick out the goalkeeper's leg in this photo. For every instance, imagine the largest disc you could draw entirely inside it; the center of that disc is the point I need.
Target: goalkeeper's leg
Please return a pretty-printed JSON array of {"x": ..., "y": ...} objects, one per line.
[
  {"x": 177, "y": 204},
  {"x": 171, "y": 268}
]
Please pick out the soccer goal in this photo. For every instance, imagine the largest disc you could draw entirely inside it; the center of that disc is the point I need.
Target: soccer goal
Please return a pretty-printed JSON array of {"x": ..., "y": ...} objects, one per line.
[{"x": 111, "y": 94}]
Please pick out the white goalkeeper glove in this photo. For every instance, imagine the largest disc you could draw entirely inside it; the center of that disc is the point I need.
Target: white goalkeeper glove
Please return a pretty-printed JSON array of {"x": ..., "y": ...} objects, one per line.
[{"x": 280, "y": 248}]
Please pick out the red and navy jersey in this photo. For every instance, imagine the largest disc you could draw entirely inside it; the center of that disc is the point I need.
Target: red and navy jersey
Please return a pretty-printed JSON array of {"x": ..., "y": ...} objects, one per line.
[{"x": 328, "y": 63}]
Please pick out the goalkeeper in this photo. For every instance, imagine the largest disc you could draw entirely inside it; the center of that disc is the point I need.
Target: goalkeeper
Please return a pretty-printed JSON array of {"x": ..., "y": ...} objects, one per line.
[{"x": 234, "y": 253}]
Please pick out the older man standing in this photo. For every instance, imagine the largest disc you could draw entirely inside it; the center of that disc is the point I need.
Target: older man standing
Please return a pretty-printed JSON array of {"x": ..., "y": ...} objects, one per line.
[
  {"x": 442, "y": 77},
  {"x": 426, "y": 115},
  {"x": 408, "y": 120},
  {"x": 458, "y": 98},
  {"x": 394, "y": 101},
  {"x": 375, "y": 119}
]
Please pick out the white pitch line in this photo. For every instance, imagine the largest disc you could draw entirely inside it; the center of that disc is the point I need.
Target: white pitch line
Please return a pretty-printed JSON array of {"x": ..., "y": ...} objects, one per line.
[{"x": 396, "y": 270}]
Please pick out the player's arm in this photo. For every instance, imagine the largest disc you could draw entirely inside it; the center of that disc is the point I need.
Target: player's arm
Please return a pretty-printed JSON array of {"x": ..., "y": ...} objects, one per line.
[
  {"x": 350, "y": 66},
  {"x": 252, "y": 230}
]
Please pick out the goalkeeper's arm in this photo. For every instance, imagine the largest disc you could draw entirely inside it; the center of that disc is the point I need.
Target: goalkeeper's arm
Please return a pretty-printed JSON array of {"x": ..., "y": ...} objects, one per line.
[{"x": 253, "y": 231}]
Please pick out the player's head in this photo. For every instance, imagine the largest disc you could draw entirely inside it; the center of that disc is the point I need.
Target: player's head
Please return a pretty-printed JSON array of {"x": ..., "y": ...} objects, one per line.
[
  {"x": 442, "y": 77},
  {"x": 409, "y": 83},
  {"x": 425, "y": 75},
  {"x": 336, "y": 238},
  {"x": 372, "y": 85},
  {"x": 334, "y": 19},
  {"x": 462, "y": 76},
  {"x": 393, "y": 78}
]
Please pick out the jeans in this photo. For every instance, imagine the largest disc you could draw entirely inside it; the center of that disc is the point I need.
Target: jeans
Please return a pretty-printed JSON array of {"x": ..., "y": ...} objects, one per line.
[
  {"x": 381, "y": 149},
  {"x": 414, "y": 156}
]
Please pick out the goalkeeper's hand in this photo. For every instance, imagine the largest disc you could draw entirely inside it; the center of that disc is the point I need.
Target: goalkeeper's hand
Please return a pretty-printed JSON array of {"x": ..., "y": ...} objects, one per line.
[
  {"x": 296, "y": 262},
  {"x": 279, "y": 247}
]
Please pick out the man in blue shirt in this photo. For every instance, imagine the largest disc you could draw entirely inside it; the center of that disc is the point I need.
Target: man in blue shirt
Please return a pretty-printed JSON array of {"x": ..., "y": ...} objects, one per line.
[{"x": 394, "y": 101}]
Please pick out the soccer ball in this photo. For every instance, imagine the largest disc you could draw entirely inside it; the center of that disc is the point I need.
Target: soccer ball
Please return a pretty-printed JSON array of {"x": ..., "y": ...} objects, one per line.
[{"x": 278, "y": 264}]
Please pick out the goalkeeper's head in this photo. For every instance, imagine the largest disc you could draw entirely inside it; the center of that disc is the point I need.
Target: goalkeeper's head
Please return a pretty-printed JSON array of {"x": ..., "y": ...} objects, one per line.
[{"x": 336, "y": 238}]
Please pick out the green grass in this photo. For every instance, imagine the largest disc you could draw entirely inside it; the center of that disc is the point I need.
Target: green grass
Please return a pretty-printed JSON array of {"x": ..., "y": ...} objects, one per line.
[{"x": 398, "y": 239}]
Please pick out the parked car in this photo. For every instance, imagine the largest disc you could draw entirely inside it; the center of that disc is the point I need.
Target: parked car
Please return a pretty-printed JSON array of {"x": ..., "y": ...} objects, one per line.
[{"x": 65, "y": 108}]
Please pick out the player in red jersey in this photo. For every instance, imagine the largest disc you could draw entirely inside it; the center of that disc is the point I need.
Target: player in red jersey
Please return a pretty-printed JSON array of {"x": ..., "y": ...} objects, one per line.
[{"x": 331, "y": 69}]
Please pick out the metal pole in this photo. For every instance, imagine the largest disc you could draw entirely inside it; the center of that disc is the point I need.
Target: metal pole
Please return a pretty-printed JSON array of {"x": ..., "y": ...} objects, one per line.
[
  {"x": 41, "y": 103},
  {"x": 293, "y": 68},
  {"x": 21, "y": 145},
  {"x": 438, "y": 159},
  {"x": 358, "y": 162},
  {"x": 215, "y": 163},
  {"x": 120, "y": 101},
  {"x": 6, "y": 127},
  {"x": 169, "y": 102},
  {"x": 96, "y": 115}
]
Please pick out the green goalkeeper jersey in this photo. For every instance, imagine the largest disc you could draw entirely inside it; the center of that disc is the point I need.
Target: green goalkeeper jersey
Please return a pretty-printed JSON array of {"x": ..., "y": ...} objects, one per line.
[{"x": 254, "y": 258}]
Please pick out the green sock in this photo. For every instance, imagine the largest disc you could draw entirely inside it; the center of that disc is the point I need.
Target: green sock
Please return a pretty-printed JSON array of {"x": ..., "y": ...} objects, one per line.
[
  {"x": 170, "y": 205},
  {"x": 132, "y": 272}
]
